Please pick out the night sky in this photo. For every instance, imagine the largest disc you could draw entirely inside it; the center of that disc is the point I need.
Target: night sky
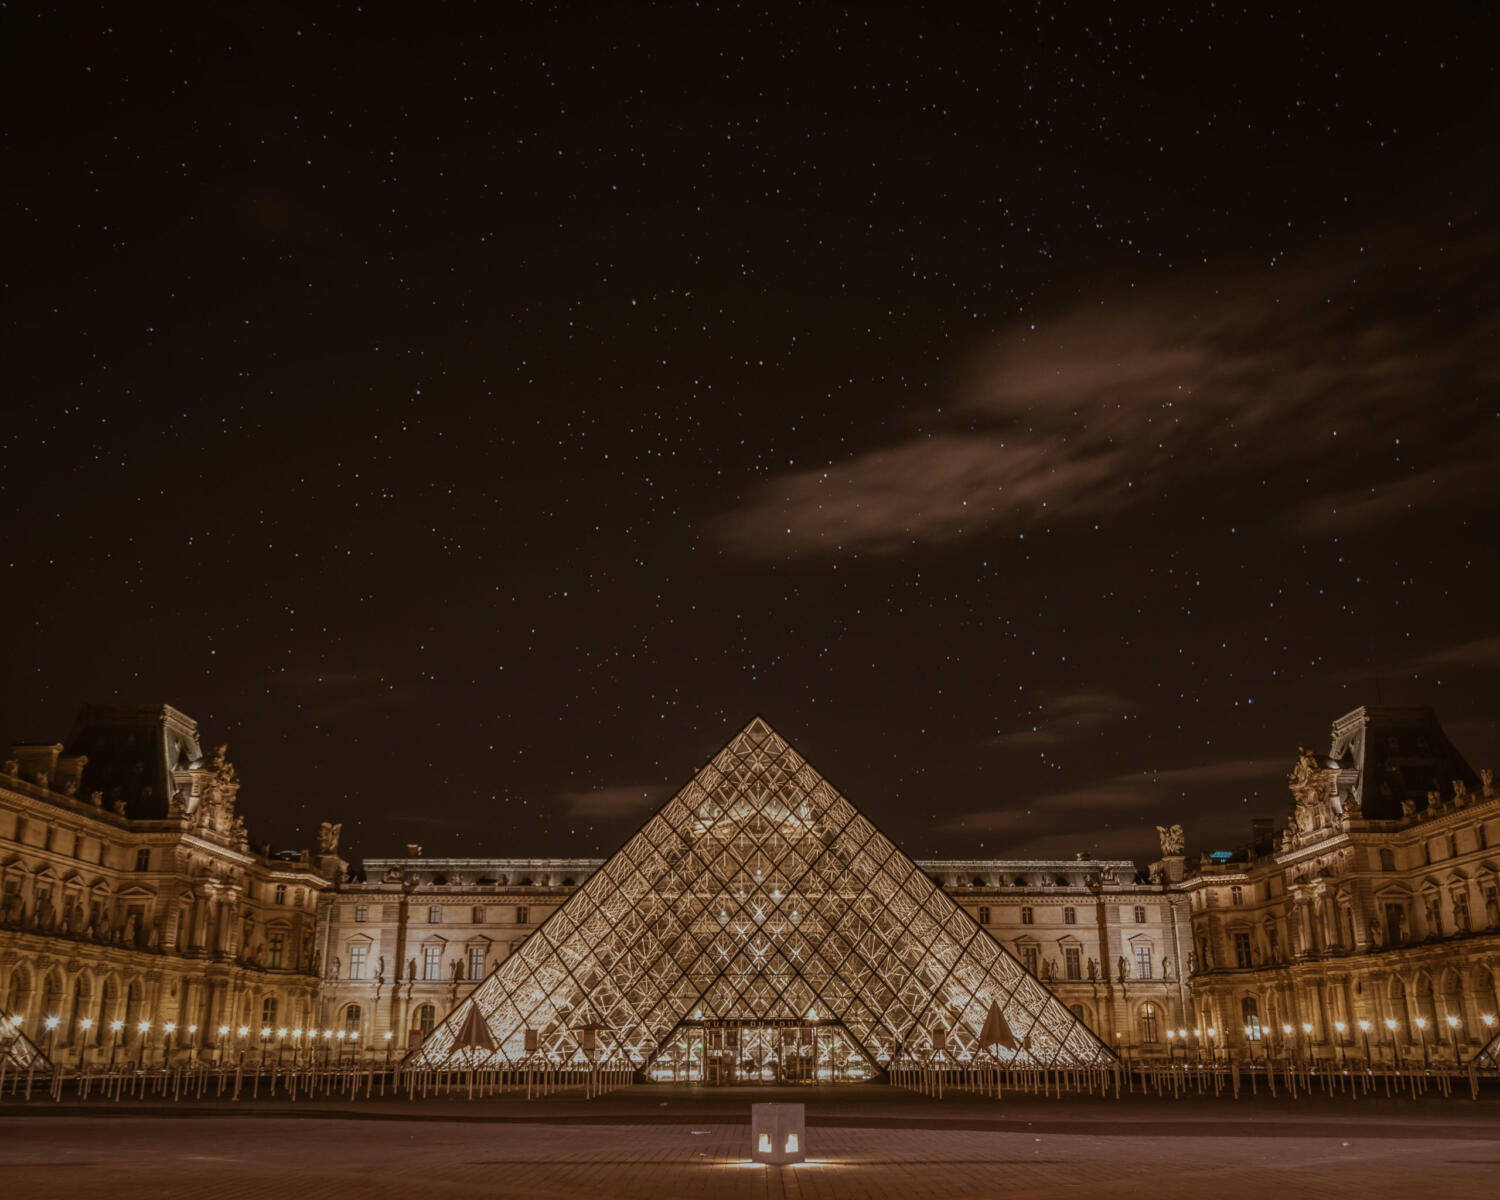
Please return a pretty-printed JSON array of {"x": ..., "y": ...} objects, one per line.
[{"x": 475, "y": 414}]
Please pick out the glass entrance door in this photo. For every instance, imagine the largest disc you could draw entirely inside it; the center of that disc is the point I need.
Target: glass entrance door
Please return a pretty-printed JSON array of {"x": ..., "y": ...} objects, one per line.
[{"x": 734, "y": 1053}]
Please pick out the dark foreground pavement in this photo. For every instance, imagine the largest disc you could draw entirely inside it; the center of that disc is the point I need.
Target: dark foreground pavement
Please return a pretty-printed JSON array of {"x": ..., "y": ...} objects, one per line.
[{"x": 668, "y": 1142}]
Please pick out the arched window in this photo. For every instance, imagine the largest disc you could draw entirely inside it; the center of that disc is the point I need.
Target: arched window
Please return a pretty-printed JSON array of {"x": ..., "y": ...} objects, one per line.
[
  {"x": 352, "y": 1016},
  {"x": 1150, "y": 1022},
  {"x": 1387, "y": 860},
  {"x": 426, "y": 1019},
  {"x": 268, "y": 1013},
  {"x": 1250, "y": 1015}
]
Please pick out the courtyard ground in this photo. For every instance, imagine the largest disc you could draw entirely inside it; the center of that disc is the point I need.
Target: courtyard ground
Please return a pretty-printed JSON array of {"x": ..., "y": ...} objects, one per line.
[{"x": 685, "y": 1142}]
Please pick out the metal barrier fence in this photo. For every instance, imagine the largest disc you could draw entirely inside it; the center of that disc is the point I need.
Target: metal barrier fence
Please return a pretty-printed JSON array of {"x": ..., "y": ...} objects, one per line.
[
  {"x": 1276, "y": 1079},
  {"x": 194, "y": 1081}
]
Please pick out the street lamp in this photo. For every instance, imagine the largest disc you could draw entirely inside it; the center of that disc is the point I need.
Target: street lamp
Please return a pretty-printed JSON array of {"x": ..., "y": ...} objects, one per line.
[
  {"x": 144, "y": 1029},
  {"x": 1390, "y": 1025},
  {"x": 166, "y": 1042},
  {"x": 114, "y": 1039},
  {"x": 51, "y": 1024},
  {"x": 389, "y": 1035},
  {"x": 223, "y": 1033},
  {"x": 1340, "y": 1026},
  {"x": 1453, "y": 1033},
  {"x": 1364, "y": 1031},
  {"x": 83, "y": 1052},
  {"x": 1286, "y": 1032},
  {"x": 1211, "y": 1056},
  {"x": 1171, "y": 1040},
  {"x": 1422, "y": 1033}
]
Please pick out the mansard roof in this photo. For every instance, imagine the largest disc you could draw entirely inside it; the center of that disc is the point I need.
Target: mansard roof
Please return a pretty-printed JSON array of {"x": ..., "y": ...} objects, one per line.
[{"x": 1401, "y": 754}]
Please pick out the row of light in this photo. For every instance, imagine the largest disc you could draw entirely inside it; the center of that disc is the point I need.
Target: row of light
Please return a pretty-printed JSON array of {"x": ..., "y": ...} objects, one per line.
[
  {"x": 1365, "y": 1026},
  {"x": 87, "y": 1023}
]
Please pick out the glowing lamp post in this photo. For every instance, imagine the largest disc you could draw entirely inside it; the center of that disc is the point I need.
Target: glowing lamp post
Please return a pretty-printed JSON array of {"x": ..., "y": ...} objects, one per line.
[
  {"x": 388, "y": 1037},
  {"x": 166, "y": 1042},
  {"x": 114, "y": 1040},
  {"x": 1287, "y": 1036},
  {"x": 1422, "y": 1034},
  {"x": 1340, "y": 1026},
  {"x": 1172, "y": 1041},
  {"x": 144, "y": 1029},
  {"x": 223, "y": 1033},
  {"x": 51, "y": 1024},
  {"x": 1390, "y": 1026},
  {"x": 778, "y": 1133},
  {"x": 1212, "y": 1057},
  {"x": 1453, "y": 1033},
  {"x": 83, "y": 1051}
]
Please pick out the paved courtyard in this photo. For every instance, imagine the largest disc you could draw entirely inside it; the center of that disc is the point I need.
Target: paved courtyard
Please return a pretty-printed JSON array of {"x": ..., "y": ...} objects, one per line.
[{"x": 658, "y": 1143}]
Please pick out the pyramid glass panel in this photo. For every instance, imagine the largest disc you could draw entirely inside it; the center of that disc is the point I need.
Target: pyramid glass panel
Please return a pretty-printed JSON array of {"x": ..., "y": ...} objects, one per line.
[{"x": 759, "y": 928}]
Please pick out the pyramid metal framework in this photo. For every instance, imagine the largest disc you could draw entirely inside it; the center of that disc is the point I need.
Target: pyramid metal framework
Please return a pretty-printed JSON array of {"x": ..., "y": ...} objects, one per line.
[
  {"x": 18, "y": 1052},
  {"x": 758, "y": 896}
]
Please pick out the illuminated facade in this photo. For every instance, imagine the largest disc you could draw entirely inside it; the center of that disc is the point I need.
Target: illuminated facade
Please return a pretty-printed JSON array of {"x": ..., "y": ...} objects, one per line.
[
  {"x": 1370, "y": 923},
  {"x": 129, "y": 893}
]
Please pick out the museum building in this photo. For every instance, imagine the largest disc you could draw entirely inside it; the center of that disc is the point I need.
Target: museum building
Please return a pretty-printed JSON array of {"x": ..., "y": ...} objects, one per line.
[{"x": 762, "y": 925}]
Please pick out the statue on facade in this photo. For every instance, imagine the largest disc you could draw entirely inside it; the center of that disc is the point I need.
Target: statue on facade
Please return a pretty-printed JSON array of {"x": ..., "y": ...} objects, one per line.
[
  {"x": 1166, "y": 966},
  {"x": 119, "y": 807},
  {"x": 1123, "y": 967},
  {"x": 380, "y": 970},
  {"x": 328, "y": 838},
  {"x": 177, "y": 806},
  {"x": 1491, "y": 907},
  {"x": 1487, "y": 781},
  {"x": 1093, "y": 970},
  {"x": 1409, "y": 806},
  {"x": 1173, "y": 842},
  {"x": 1461, "y": 796}
]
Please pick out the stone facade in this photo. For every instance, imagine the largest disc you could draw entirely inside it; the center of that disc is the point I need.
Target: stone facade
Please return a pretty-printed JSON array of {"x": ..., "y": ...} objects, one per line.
[
  {"x": 130, "y": 893},
  {"x": 1377, "y": 903}
]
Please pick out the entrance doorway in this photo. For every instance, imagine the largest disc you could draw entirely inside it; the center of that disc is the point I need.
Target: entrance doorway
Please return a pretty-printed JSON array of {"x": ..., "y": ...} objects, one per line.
[{"x": 725, "y": 1053}]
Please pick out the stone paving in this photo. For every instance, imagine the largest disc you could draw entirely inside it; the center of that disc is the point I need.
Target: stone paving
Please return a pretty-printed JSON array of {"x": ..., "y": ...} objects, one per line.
[{"x": 662, "y": 1143}]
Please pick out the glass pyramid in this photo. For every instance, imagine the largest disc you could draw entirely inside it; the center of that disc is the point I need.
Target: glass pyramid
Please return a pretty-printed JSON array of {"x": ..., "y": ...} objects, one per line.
[{"x": 758, "y": 907}]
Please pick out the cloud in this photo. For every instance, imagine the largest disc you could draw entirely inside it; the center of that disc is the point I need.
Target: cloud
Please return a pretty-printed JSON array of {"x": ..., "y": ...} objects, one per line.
[
  {"x": 1118, "y": 403},
  {"x": 1142, "y": 793},
  {"x": 1062, "y": 718},
  {"x": 614, "y": 802},
  {"x": 1478, "y": 654}
]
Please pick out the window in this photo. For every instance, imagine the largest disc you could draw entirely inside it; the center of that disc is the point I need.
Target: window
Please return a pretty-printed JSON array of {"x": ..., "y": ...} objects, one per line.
[
  {"x": 351, "y": 1018},
  {"x": 279, "y": 896},
  {"x": 1077, "y": 1011},
  {"x": 1242, "y": 950},
  {"x": 1070, "y": 916},
  {"x": 477, "y": 915},
  {"x": 984, "y": 916},
  {"x": 1387, "y": 860},
  {"x": 143, "y": 860},
  {"x": 357, "y": 955},
  {"x": 1140, "y": 914},
  {"x": 1250, "y": 1014},
  {"x": 1072, "y": 962},
  {"x": 275, "y": 948},
  {"x": 1030, "y": 959},
  {"x": 361, "y": 913},
  {"x": 1236, "y": 895},
  {"x": 476, "y": 962},
  {"x": 434, "y": 915},
  {"x": 426, "y": 1019},
  {"x": 521, "y": 915},
  {"x": 268, "y": 1013},
  {"x": 1028, "y": 917},
  {"x": 432, "y": 961},
  {"x": 1143, "y": 961},
  {"x": 1149, "y": 1019}
]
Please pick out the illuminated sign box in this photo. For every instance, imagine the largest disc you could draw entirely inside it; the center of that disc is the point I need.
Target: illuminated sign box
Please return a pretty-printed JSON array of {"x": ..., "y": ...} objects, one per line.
[{"x": 778, "y": 1133}]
